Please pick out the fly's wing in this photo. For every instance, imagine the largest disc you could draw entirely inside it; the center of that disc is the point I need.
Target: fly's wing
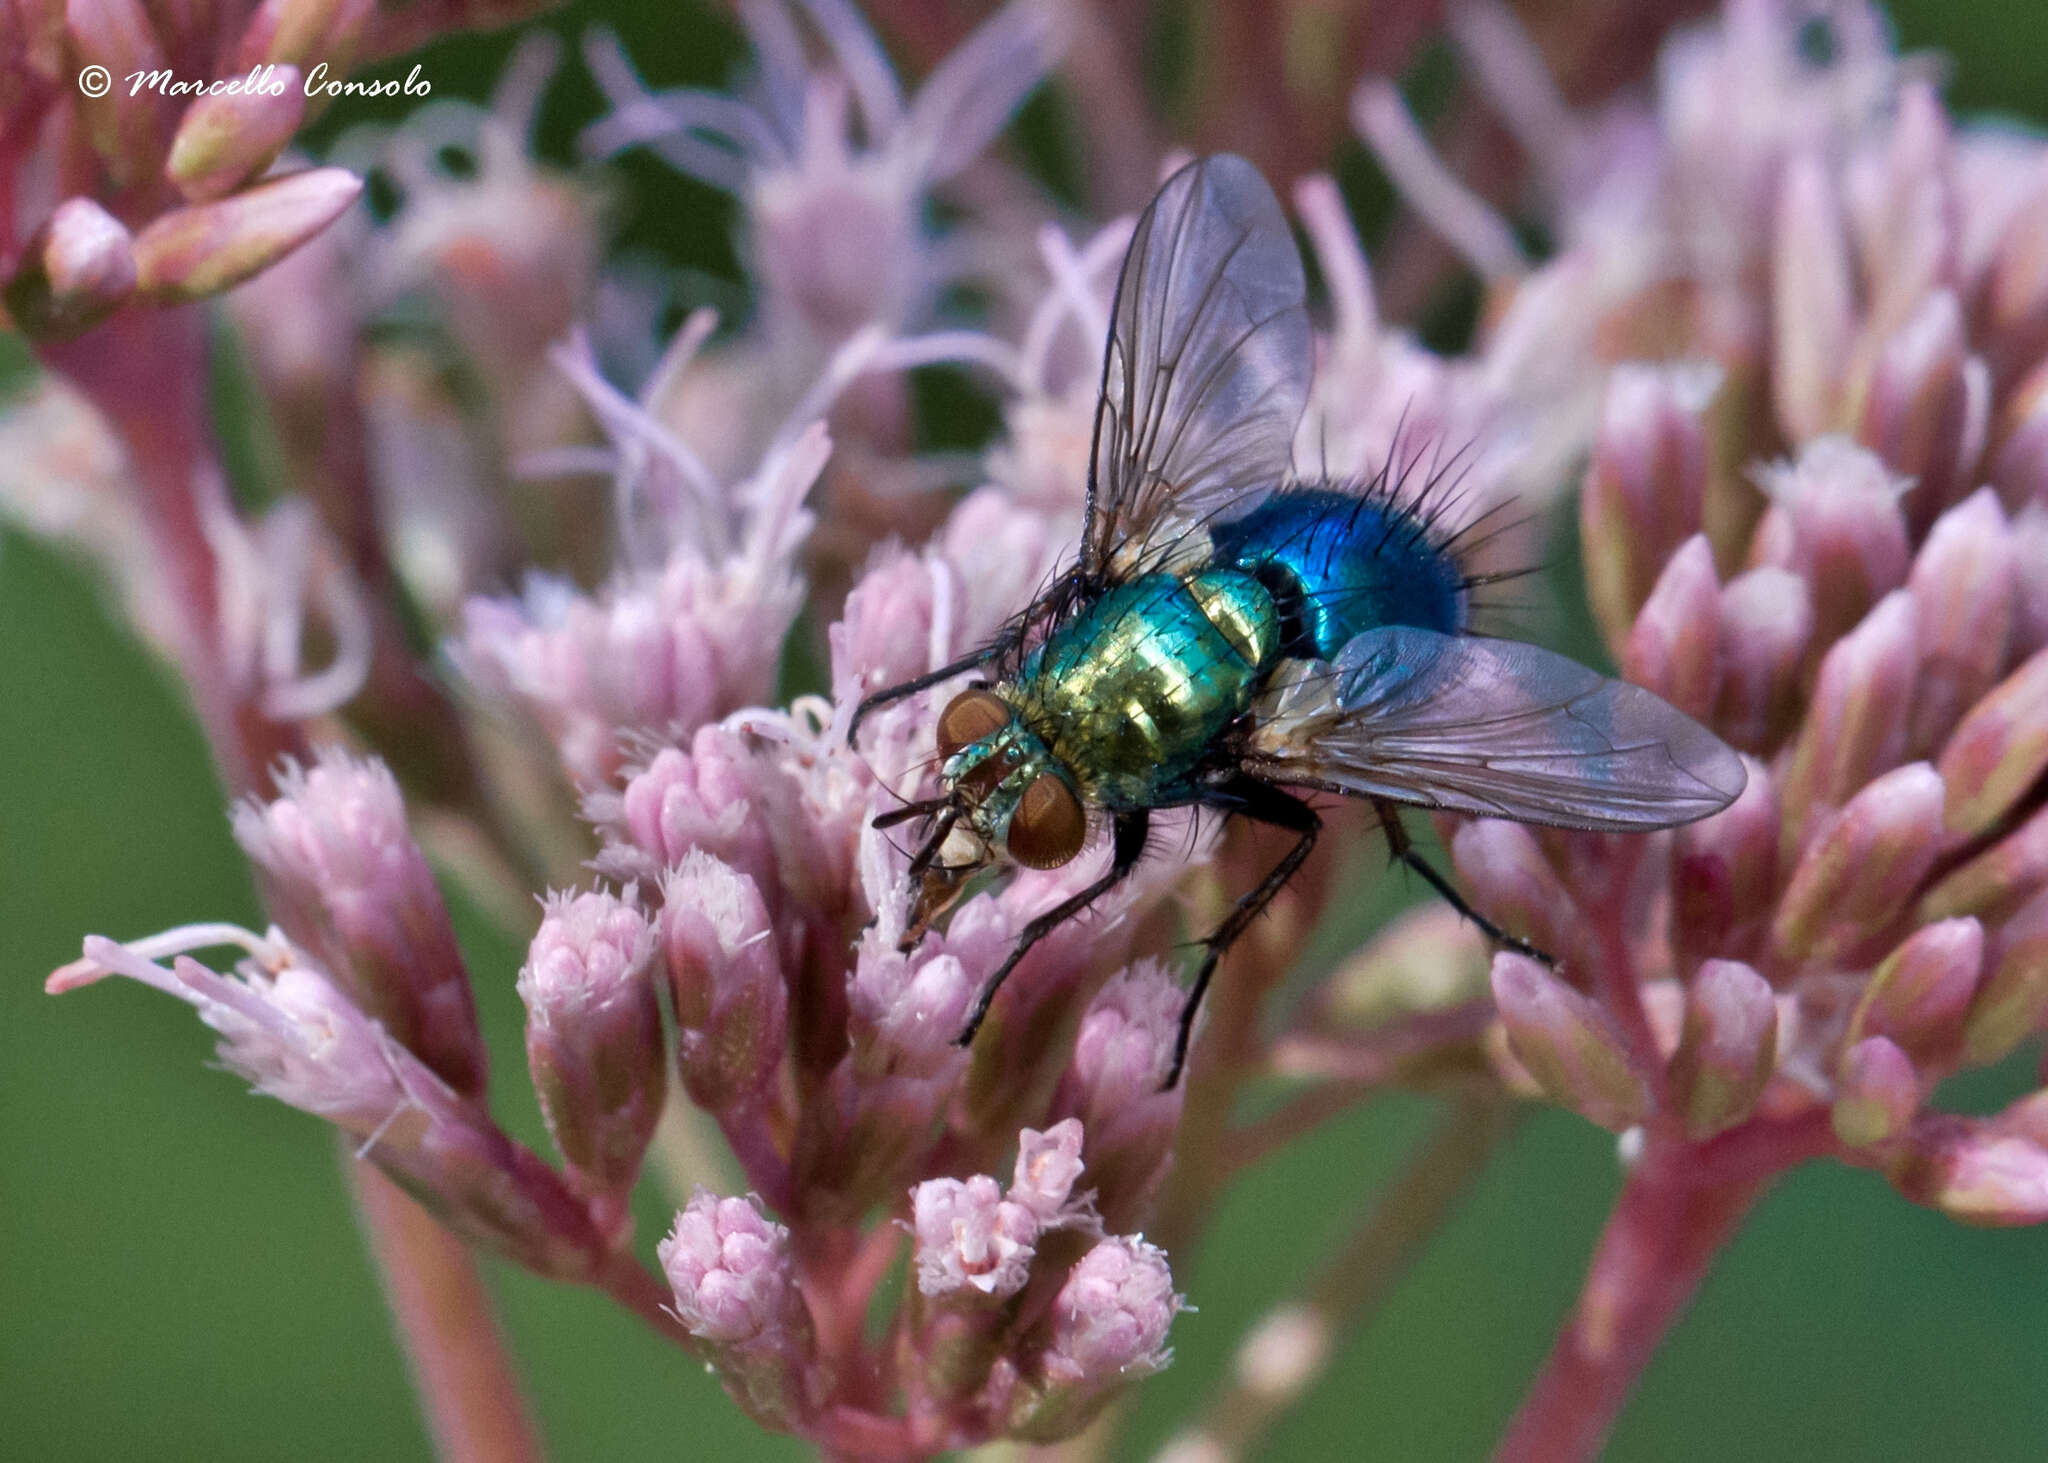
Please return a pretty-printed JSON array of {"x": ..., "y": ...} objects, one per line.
[
  {"x": 1207, "y": 367},
  {"x": 1496, "y": 728}
]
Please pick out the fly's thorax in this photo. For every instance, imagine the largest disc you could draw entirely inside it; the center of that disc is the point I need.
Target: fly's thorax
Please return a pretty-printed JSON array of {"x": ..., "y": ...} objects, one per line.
[
  {"x": 1012, "y": 793},
  {"x": 1242, "y": 611}
]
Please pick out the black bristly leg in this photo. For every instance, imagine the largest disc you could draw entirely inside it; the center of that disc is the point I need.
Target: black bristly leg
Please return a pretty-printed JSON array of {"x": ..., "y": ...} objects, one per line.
[
  {"x": 1132, "y": 829},
  {"x": 915, "y": 684},
  {"x": 1264, "y": 803},
  {"x": 1403, "y": 849}
]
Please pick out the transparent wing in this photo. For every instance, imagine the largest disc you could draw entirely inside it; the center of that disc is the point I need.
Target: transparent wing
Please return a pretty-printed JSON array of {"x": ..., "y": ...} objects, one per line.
[
  {"x": 1493, "y": 727},
  {"x": 1207, "y": 367}
]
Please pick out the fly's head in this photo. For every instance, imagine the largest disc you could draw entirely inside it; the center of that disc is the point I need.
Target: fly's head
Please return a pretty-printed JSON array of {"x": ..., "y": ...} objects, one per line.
[{"x": 1008, "y": 799}]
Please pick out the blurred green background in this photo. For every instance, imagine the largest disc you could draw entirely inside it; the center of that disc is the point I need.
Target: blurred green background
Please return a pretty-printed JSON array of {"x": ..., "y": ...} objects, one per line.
[{"x": 180, "y": 1277}]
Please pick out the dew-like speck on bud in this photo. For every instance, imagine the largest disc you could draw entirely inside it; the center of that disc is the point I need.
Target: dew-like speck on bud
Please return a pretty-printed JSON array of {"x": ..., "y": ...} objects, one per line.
[
  {"x": 1854, "y": 880},
  {"x": 1568, "y": 1044},
  {"x": 1729, "y": 1047},
  {"x": 1876, "y": 1093},
  {"x": 1673, "y": 648},
  {"x": 1766, "y": 624}
]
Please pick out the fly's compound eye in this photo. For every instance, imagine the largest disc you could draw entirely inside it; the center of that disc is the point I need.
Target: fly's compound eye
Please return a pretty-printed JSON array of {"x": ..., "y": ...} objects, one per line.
[
  {"x": 970, "y": 717},
  {"x": 1048, "y": 827}
]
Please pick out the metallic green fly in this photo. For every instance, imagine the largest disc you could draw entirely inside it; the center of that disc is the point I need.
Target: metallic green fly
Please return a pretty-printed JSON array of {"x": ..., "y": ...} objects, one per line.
[{"x": 1231, "y": 636}]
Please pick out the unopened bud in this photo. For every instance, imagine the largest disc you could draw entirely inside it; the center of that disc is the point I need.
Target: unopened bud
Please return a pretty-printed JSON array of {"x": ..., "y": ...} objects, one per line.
[
  {"x": 1729, "y": 1047},
  {"x": 1835, "y": 520},
  {"x": 1856, "y": 879},
  {"x": 725, "y": 979},
  {"x": 1645, "y": 486},
  {"x": 1999, "y": 751},
  {"x": 1876, "y": 1093},
  {"x": 2019, "y": 457},
  {"x": 2030, "y": 554},
  {"x": 1985, "y": 1177},
  {"x": 1854, "y": 728},
  {"x": 1514, "y": 885},
  {"x": 1766, "y": 626},
  {"x": 593, "y": 1041},
  {"x": 1919, "y": 995},
  {"x": 1922, "y": 415},
  {"x": 228, "y": 138},
  {"x": 735, "y": 1284},
  {"x": 1724, "y": 872},
  {"x": 205, "y": 248},
  {"x": 1813, "y": 300},
  {"x": 78, "y": 269},
  {"x": 2014, "y": 1001},
  {"x": 1673, "y": 648},
  {"x": 1567, "y": 1044},
  {"x": 124, "y": 126},
  {"x": 346, "y": 881},
  {"x": 1998, "y": 879},
  {"x": 1965, "y": 587}
]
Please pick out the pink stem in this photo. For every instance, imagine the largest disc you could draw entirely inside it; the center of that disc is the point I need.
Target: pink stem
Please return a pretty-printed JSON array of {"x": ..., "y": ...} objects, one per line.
[
  {"x": 1664, "y": 1233},
  {"x": 460, "y": 1368}
]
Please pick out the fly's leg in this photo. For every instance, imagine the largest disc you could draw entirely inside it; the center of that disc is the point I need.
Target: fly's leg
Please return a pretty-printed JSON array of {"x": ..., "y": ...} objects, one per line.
[
  {"x": 915, "y": 684},
  {"x": 1403, "y": 849},
  {"x": 1132, "y": 830},
  {"x": 1264, "y": 803}
]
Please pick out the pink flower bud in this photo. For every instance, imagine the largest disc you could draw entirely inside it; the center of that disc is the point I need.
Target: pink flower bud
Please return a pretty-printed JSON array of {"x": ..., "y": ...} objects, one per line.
[
  {"x": 1646, "y": 484},
  {"x": 1109, "y": 1321},
  {"x": 1984, "y": 1177},
  {"x": 1994, "y": 882},
  {"x": 911, "y": 1008},
  {"x": 593, "y": 1039},
  {"x": 1729, "y": 1047},
  {"x": 2013, "y": 309},
  {"x": 970, "y": 1239},
  {"x": 77, "y": 269},
  {"x": 1922, "y": 415},
  {"x": 2030, "y": 556},
  {"x": 1047, "y": 1165},
  {"x": 735, "y": 1286},
  {"x": 725, "y": 978},
  {"x": 703, "y": 799},
  {"x": 1724, "y": 872},
  {"x": 205, "y": 248},
  {"x": 1767, "y": 622},
  {"x": 1835, "y": 520},
  {"x": 1674, "y": 646},
  {"x": 1855, "y": 879},
  {"x": 120, "y": 36},
  {"x": 1568, "y": 1044},
  {"x": 1999, "y": 751},
  {"x": 1515, "y": 886},
  {"x": 1918, "y": 996},
  {"x": 225, "y": 139},
  {"x": 344, "y": 877},
  {"x": 1876, "y": 1093},
  {"x": 1964, "y": 586},
  {"x": 1121, "y": 1056},
  {"x": 1853, "y": 728},
  {"x": 1812, "y": 299},
  {"x": 2013, "y": 1003}
]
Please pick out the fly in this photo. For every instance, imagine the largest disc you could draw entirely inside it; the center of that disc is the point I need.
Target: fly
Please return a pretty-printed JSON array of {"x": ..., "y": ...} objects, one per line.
[{"x": 1231, "y": 638}]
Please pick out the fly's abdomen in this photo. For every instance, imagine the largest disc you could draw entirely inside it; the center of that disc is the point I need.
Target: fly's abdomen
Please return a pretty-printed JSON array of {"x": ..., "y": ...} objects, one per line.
[
  {"x": 1339, "y": 564},
  {"x": 1132, "y": 694}
]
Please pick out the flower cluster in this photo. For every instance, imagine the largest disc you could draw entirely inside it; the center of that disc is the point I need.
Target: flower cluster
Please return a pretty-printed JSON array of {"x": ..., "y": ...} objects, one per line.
[{"x": 1798, "y": 357}]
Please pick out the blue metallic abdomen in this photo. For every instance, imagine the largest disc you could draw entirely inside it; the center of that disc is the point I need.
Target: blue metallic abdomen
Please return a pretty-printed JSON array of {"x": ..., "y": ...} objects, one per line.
[{"x": 1339, "y": 564}]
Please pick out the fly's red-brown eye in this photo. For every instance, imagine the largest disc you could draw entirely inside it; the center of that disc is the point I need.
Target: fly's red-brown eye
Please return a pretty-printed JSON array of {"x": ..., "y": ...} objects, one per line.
[
  {"x": 970, "y": 717},
  {"x": 1048, "y": 827}
]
